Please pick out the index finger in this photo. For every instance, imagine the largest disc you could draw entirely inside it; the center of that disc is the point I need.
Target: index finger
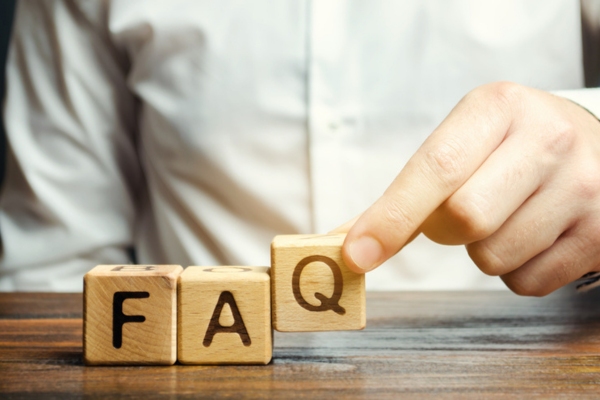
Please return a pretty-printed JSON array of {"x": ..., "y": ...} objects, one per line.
[{"x": 445, "y": 161}]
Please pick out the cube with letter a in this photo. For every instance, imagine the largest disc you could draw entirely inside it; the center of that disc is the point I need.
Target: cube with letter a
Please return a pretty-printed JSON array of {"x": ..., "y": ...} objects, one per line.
[
  {"x": 312, "y": 288},
  {"x": 225, "y": 315},
  {"x": 130, "y": 315}
]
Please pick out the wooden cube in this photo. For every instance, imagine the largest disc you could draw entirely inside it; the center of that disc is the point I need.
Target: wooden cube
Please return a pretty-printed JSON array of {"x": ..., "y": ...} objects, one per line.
[
  {"x": 130, "y": 314},
  {"x": 312, "y": 288},
  {"x": 225, "y": 315}
]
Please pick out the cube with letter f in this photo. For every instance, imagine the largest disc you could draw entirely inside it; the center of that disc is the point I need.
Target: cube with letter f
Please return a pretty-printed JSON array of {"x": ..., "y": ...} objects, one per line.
[
  {"x": 130, "y": 314},
  {"x": 312, "y": 289}
]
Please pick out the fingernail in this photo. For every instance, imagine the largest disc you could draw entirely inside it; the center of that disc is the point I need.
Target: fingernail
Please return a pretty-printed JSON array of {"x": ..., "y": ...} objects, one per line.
[{"x": 366, "y": 253}]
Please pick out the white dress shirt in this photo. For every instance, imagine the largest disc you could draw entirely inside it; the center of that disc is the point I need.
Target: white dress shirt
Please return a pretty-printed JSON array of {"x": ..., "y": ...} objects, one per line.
[{"x": 196, "y": 131}]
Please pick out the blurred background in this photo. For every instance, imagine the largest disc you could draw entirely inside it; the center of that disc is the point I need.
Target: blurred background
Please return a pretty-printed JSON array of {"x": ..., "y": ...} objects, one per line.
[
  {"x": 590, "y": 31},
  {"x": 7, "y": 8}
]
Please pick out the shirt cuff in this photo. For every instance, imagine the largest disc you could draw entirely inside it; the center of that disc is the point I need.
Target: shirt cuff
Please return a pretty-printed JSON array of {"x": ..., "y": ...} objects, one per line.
[{"x": 586, "y": 98}]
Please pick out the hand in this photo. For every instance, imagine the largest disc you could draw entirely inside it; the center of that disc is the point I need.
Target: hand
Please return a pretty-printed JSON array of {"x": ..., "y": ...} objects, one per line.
[{"x": 514, "y": 174}]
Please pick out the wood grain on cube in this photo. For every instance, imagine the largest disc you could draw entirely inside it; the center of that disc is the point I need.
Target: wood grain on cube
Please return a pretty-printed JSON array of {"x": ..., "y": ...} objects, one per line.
[
  {"x": 312, "y": 288},
  {"x": 130, "y": 314},
  {"x": 225, "y": 315}
]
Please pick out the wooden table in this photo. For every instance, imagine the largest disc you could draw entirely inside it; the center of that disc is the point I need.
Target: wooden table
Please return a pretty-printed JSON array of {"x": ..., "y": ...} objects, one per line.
[{"x": 447, "y": 344}]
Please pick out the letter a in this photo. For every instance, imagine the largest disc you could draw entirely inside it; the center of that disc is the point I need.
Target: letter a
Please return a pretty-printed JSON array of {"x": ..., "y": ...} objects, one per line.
[{"x": 215, "y": 326}]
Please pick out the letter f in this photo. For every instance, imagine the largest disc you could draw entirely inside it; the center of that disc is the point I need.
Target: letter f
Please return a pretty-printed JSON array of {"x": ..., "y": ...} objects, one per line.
[{"x": 119, "y": 319}]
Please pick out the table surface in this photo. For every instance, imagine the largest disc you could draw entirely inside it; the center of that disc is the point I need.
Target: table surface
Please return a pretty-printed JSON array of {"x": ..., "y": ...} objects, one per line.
[{"x": 447, "y": 344}]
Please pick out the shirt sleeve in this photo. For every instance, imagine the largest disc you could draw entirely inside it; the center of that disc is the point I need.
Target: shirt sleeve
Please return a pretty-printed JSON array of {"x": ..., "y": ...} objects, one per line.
[
  {"x": 587, "y": 98},
  {"x": 73, "y": 176}
]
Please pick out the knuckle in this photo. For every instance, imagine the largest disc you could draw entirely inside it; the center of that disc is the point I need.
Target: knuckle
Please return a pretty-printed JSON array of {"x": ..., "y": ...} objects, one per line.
[
  {"x": 529, "y": 287},
  {"x": 503, "y": 94},
  {"x": 560, "y": 138},
  {"x": 396, "y": 214},
  {"x": 574, "y": 251},
  {"x": 506, "y": 93},
  {"x": 446, "y": 162},
  {"x": 561, "y": 274},
  {"x": 587, "y": 184},
  {"x": 468, "y": 214},
  {"x": 486, "y": 259}
]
